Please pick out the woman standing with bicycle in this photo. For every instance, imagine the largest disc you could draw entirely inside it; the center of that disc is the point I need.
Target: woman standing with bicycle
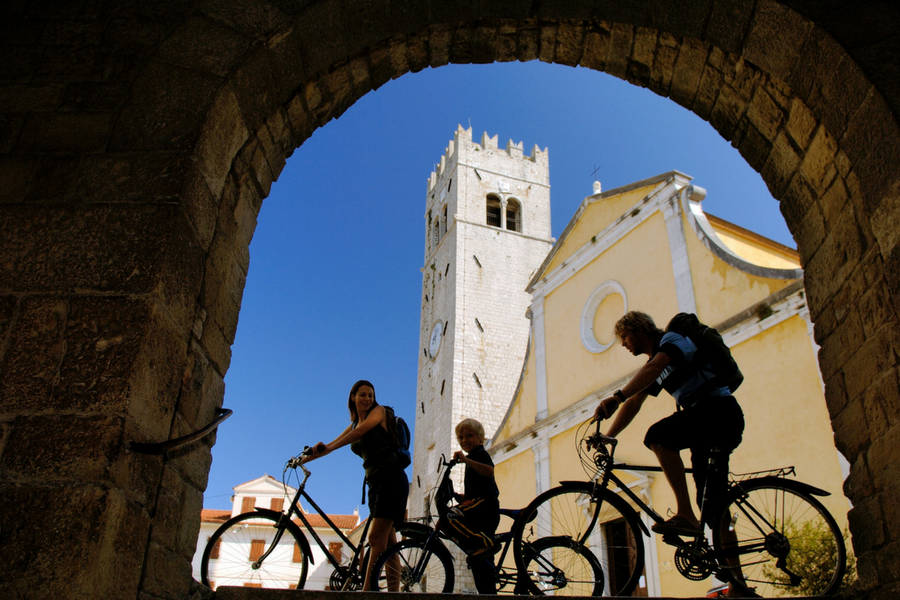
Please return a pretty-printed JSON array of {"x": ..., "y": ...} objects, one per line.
[{"x": 371, "y": 436}]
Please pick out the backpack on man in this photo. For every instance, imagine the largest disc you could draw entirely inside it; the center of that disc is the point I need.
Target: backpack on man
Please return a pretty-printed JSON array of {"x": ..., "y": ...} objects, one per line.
[{"x": 712, "y": 351}]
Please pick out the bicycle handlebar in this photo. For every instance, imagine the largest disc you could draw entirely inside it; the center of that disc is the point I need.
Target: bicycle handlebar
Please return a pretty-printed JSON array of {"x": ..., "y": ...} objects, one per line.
[
  {"x": 598, "y": 440},
  {"x": 297, "y": 461}
]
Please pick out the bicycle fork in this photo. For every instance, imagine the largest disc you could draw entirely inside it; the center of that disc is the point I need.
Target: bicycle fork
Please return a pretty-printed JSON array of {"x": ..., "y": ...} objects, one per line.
[{"x": 279, "y": 531}]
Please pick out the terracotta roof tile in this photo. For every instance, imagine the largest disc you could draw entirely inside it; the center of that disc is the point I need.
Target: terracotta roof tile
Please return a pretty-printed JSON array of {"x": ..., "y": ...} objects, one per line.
[
  {"x": 342, "y": 521},
  {"x": 208, "y": 515}
]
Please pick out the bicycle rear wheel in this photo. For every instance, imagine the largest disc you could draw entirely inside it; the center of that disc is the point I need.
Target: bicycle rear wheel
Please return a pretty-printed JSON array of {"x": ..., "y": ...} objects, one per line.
[
  {"x": 232, "y": 552},
  {"x": 785, "y": 541},
  {"x": 411, "y": 567},
  {"x": 559, "y": 566},
  {"x": 608, "y": 528}
]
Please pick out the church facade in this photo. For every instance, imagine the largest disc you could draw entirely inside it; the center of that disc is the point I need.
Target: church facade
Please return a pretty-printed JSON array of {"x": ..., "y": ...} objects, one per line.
[{"x": 650, "y": 246}]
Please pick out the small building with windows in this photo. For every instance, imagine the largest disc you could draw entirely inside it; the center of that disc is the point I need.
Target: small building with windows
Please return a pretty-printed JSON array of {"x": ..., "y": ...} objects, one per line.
[
  {"x": 269, "y": 493},
  {"x": 650, "y": 246}
]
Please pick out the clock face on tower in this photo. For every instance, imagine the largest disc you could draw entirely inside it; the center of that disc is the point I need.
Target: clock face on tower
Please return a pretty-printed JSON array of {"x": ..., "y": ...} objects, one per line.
[{"x": 434, "y": 343}]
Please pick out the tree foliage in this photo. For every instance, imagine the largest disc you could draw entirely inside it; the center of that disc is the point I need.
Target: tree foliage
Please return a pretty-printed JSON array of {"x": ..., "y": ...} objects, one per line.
[{"x": 813, "y": 557}]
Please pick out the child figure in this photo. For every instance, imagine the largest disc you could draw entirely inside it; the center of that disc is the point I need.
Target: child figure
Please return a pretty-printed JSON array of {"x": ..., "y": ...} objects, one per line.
[{"x": 474, "y": 520}]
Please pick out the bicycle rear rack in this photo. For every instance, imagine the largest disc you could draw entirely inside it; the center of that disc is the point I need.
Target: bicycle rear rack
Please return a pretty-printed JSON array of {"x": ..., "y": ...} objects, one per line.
[
  {"x": 163, "y": 447},
  {"x": 782, "y": 472}
]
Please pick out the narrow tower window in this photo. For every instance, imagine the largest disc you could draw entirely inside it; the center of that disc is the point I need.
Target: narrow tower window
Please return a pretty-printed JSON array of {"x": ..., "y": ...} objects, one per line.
[
  {"x": 493, "y": 211},
  {"x": 513, "y": 215}
]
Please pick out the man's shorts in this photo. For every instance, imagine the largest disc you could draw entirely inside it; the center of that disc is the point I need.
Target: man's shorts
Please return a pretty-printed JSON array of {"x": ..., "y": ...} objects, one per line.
[
  {"x": 388, "y": 490},
  {"x": 711, "y": 423}
]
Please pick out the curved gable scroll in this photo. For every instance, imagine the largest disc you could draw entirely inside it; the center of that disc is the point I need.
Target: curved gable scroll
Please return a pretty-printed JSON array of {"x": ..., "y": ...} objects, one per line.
[{"x": 690, "y": 197}]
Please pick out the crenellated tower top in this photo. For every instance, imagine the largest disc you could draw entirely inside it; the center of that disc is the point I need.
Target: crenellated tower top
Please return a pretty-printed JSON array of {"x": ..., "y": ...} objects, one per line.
[
  {"x": 483, "y": 184},
  {"x": 462, "y": 146}
]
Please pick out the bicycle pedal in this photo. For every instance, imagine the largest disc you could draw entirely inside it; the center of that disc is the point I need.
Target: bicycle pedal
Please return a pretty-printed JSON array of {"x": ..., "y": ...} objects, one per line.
[{"x": 673, "y": 539}]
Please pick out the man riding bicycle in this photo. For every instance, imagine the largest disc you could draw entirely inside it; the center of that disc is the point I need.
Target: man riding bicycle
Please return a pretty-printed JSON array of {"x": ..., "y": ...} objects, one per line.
[{"x": 706, "y": 419}]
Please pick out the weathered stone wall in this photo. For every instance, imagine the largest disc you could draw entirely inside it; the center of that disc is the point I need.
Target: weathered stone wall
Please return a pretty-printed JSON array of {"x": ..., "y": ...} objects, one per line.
[{"x": 136, "y": 144}]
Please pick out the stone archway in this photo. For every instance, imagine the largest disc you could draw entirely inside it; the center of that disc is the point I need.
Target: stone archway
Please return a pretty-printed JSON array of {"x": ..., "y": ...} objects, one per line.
[{"x": 137, "y": 146}]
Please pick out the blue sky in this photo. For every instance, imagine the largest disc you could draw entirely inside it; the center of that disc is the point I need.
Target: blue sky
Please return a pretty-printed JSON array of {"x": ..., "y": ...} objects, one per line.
[{"x": 333, "y": 292}]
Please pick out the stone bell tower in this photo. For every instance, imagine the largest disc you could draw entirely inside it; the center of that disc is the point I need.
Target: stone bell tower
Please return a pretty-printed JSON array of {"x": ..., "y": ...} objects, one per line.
[{"x": 487, "y": 221}]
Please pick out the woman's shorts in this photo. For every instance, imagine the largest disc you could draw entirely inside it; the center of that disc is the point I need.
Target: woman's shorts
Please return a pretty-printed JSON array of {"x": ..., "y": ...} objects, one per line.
[{"x": 388, "y": 490}]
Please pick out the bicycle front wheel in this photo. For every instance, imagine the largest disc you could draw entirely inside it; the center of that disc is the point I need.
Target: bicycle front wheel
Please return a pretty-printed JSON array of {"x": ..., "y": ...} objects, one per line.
[
  {"x": 606, "y": 526},
  {"x": 232, "y": 555},
  {"x": 779, "y": 540},
  {"x": 411, "y": 567},
  {"x": 559, "y": 566}
]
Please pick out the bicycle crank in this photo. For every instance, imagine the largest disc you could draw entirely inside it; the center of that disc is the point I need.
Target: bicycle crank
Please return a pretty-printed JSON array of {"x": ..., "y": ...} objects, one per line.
[
  {"x": 694, "y": 565},
  {"x": 339, "y": 577}
]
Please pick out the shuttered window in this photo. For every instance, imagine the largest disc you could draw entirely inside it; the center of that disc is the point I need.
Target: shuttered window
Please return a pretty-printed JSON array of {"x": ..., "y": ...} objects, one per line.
[
  {"x": 257, "y": 547},
  {"x": 214, "y": 553},
  {"x": 336, "y": 549},
  {"x": 277, "y": 504},
  {"x": 247, "y": 504}
]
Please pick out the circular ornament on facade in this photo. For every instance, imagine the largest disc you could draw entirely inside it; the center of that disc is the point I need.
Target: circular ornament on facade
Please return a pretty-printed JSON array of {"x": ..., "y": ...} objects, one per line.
[
  {"x": 434, "y": 343},
  {"x": 589, "y": 315}
]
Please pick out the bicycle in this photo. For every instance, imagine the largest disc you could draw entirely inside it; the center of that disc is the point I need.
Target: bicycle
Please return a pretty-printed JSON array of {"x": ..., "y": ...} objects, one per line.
[
  {"x": 423, "y": 563},
  {"x": 770, "y": 534},
  {"x": 266, "y": 548}
]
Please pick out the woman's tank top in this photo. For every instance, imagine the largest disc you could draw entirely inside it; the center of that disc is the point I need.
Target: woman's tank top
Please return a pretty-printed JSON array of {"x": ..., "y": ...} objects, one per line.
[{"x": 377, "y": 449}]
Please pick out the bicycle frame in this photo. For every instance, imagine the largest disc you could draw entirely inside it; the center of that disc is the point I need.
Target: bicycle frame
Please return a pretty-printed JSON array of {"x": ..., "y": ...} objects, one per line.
[
  {"x": 605, "y": 474},
  {"x": 295, "y": 509},
  {"x": 432, "y": 534}
]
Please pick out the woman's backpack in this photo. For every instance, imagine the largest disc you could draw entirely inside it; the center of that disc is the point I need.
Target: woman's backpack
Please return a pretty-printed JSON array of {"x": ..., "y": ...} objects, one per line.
[{"x": 398, "y": 428}]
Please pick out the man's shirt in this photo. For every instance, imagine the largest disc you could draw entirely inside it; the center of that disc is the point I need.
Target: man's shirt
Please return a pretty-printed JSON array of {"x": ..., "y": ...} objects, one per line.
[{"x": 682, "y": 377}]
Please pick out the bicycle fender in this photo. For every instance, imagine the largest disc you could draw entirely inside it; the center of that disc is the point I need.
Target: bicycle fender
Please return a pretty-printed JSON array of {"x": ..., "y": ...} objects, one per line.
[
  {"x": 787, "y": 483},
  {"x": 295, "y": 529}
]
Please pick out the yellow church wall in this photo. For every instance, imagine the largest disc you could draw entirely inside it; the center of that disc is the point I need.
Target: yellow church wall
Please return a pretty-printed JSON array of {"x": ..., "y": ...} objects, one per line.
[
  {"x": 524, "y": 405},
  {"x": 721, "y": 290},
  {"x": 569, "y": 468},
  {"x": 515, "y": 478},
  {"x": 754, "y": 248},
  {"x": 572, "y": 371},
  {"x": 598, "y": 215},
  {"x": 784, "y": 408}
]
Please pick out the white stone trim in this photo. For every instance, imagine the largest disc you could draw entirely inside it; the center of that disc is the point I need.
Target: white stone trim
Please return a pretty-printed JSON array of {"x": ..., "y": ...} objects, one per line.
[
  {"x": 541, "y": 450},
  {"x": 482, "y": 170},
  {"x": 781, "y": 311},
  {"x": 588, "y": 335},
  {"x": 540, "y": 358},
  {"x": 681, "y": 265},
  {"x": 607, "y": 238},
  {"x": 456, "y": 219},
  {"x": 690, "y": 202}
]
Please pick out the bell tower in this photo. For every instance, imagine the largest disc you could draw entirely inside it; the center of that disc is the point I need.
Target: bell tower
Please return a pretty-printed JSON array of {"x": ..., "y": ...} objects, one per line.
[{"x": 487, "y": 230}]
